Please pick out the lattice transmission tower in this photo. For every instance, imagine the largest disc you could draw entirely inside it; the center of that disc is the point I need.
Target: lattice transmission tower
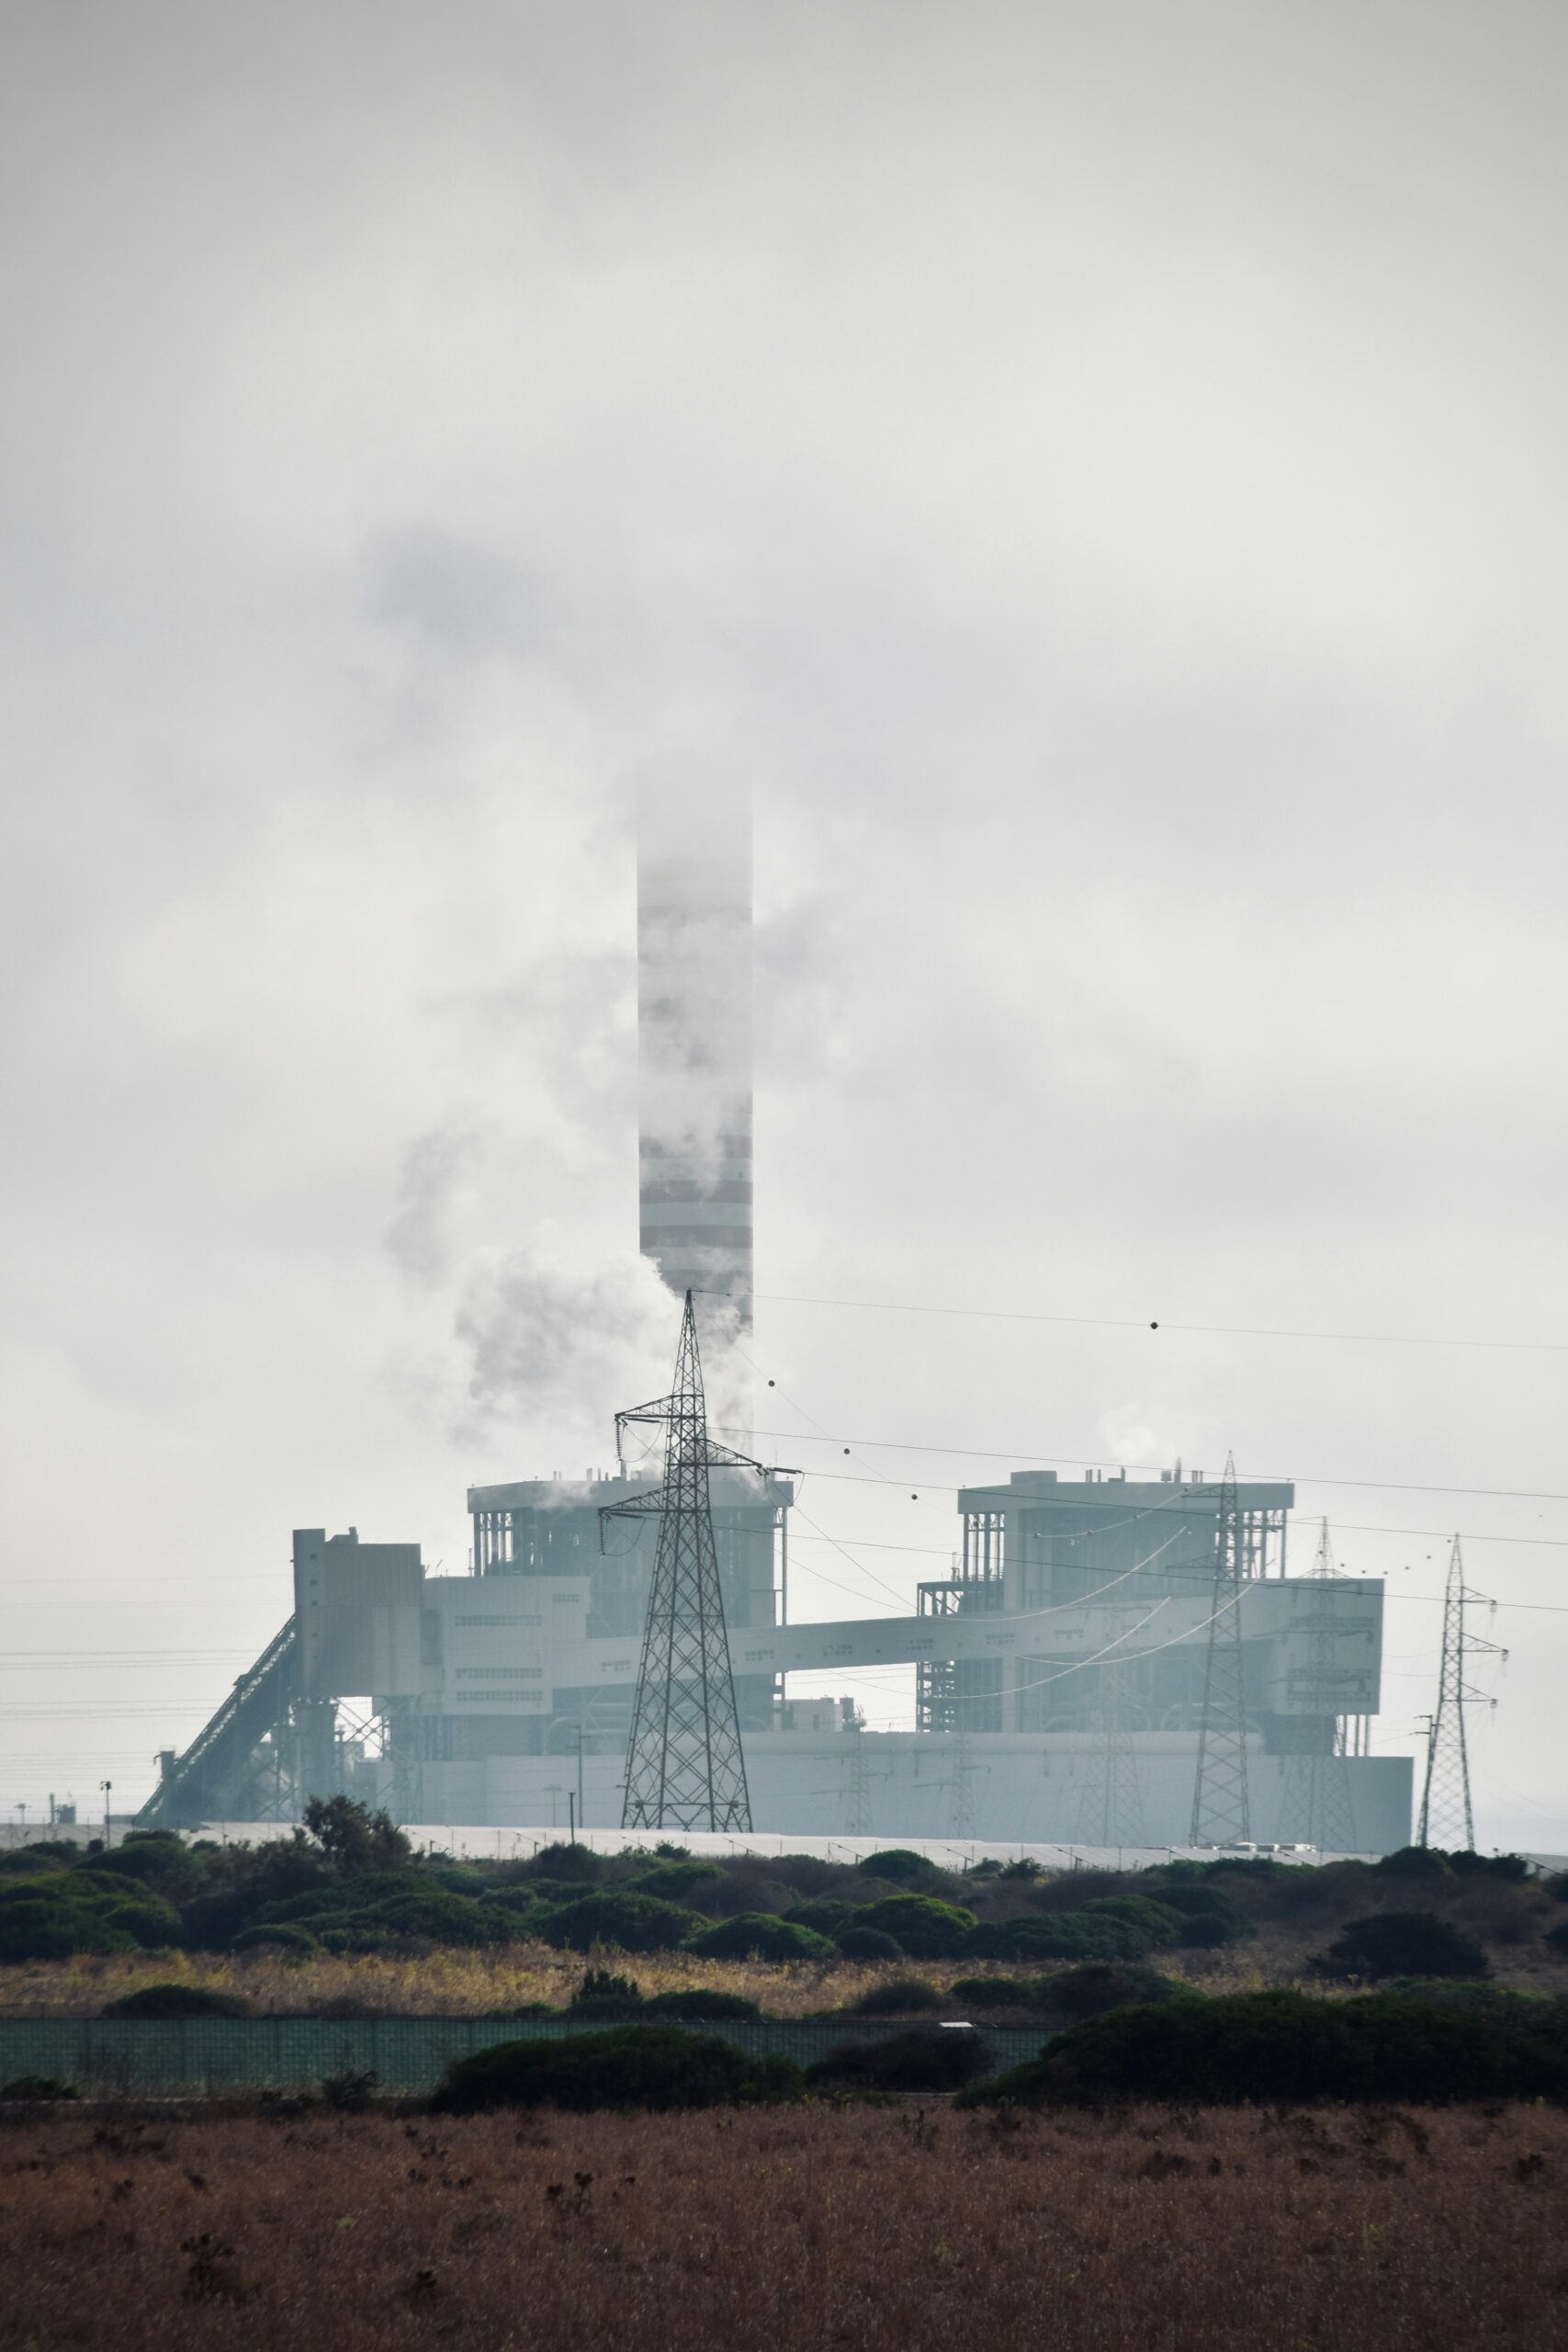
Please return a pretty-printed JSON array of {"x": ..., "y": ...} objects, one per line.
[
  {"x": 1446, "y": 1810},
  {"x": 1222, "y": 1813},
  {"x": 685, "y": 1765},
  {"x": 1316, "y": 1807},
  {"x": 1111, "y": 1808}
]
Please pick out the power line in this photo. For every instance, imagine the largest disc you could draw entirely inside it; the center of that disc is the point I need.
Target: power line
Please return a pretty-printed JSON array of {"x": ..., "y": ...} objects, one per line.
[
  {"x": 1151, "y": 1323},
  {"x": 1266, "y": 1477}
]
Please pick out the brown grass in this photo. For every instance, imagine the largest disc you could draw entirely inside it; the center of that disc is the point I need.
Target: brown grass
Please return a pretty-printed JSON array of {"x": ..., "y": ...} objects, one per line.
[
  {"x": 876, "y": 2229},
  {"x": 456, "y": 1984}
]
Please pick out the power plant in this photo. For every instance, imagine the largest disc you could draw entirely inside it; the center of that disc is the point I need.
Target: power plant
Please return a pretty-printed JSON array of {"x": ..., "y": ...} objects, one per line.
[{"x": 1111, "y": 1661}]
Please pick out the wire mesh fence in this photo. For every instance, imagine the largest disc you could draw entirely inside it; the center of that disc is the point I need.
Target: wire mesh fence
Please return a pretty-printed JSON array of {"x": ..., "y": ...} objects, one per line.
[{"x": 110, "y": 2056}]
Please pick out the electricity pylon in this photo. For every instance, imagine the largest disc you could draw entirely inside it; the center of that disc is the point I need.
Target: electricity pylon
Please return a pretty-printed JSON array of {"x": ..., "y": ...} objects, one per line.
[
  {"x": 1445, "y": 1798},
  {"x": 1111, "y": 1809},
  {"x": 1314, "y": 1802},
  {"x": 1221, "y": 1814},
  {"x": 685, "y": 1765}
]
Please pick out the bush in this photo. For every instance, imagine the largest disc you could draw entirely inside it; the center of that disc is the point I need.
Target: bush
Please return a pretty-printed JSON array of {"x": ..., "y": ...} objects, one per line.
[
  {"x": 353, "y": 1839},
  {"x": 38, "y": 2087},
  {"x": 650, "y": 2066},
  {"x": 824, "y": 1916},
  {"x": 1413, "y": 1861},
  {"x": 994, "y": 1993},
  {"x": 1266, "y": 2046},
  {"x": 901, "y": 1865},
  {"x": 700, "y": 2004},
  {"x": 900, "y": 1996},
  {"x": 603, "y": 1995},
  {"x": 1557, "y": 1937},
  {"x": 575, "y": 1866},
  {"x": 180, "y": 2001},
  {"x": 283, "y": 1937},
  {"x": 1158, "y": 1924},
  {"x": 931, "y": 2058},
  {"x": 926, "y": 1928},
  {"x": 623, "y": 1922},
  {"x": 867, "y": 1943},
  {"x": 1209, "y": 1916},
  {"x": 161, "y": 1863},
  {"x": 63, "y": 1911},
  {"x": 673, "y": 1882},
  {"x": 520, "y": 1902},
  {"x": 50, "y": 1931},
  {"x": 1061, "y": 1935},
  {"x": 762, "y": 1935},
  {"x": 1401, "y": 1943},
  {"x": 1097, "y": 1985},
  {"x": 1467, "y": 1863}
]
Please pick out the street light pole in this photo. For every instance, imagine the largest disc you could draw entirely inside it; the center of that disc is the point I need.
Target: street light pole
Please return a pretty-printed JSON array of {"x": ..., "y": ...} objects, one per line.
[{"x": 108, "y": 1834}]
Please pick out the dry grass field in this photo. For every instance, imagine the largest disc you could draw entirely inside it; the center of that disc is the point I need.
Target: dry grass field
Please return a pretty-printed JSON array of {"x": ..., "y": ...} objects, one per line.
[
  {"x": 454, "y": 1982},
  {"x": 886, "y": 2229}
]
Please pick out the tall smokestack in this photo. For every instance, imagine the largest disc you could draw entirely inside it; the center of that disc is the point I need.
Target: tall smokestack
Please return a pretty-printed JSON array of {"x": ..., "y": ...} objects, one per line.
[{"x": 695, "y": 1047}]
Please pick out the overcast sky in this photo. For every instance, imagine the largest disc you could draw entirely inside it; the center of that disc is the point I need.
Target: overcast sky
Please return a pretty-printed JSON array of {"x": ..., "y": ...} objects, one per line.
[{"x": 1094, "y": 475}]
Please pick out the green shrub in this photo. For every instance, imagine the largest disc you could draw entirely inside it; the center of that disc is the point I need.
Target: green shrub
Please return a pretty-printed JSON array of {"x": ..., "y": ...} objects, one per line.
[
  {"x": 760, "y": 1934},
  {"x": 519, "y": 1902},
  {"x": 648, "y": 2066},
  {"x": 602, "y": 1994},
  {"x": 700, "y": 2004},
  {"x": 283, "y": 1936},
  {"x": 54, "y": 1916},
  {"x": 1210, "y": 1916},
  {"x": 574, "y": 1866},
  {"x": 1557, "y": 1937},
  {"x": 1268, "y": 2046},
  {"x": 1467, "y": 1863},
  {"x": 926, "y": 1928},
  {"x": 1155, "y": 1921},
  {"x": 38, "y": 2087},
  {"x": 622, "y": 1922},
  {"x": 900, "y": 1997},
  {"x": 1096, "y": 1985},
  {"x": 1061, "y": 1935},
  {"x": 161, "y": 1864},
  {"x": 1413, "y": 1861},
  {"x": 993, "y": 1993},
  {"x": 1401, "y": 1943},
  {"x": 673, "y": 1882},
  {"x": 929, "y": 2058},
  {"x": 824, "y": 1917},
  {"x": 867, "y": 1943},
  {"x": 52, "y": 1931},
  {"x": 180, "y": 2001},
  {"x": 901, "y": 1865},
  {"x": 353, "y": 1839}
]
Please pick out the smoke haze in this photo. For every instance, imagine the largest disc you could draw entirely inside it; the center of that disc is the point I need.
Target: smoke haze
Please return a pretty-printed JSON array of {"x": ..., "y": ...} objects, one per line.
[{"x": 1092, "y": 482}]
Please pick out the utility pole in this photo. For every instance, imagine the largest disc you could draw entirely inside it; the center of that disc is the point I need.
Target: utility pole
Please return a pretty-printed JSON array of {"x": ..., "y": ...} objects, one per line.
[
  {"x": 1221, "y": 1814},
  {"x": 1314, "y": 1803},
  {"x": 108, "y": 1838},
  {"x": 1445, "y": 1797},
  {"x": 685, "y": 1765}
]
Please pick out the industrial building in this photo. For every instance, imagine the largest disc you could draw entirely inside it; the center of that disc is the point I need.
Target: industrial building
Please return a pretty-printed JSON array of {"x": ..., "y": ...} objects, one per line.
[
  {"x": 503, "y": 1697},
  {"x": 1058, "y": 1672}
]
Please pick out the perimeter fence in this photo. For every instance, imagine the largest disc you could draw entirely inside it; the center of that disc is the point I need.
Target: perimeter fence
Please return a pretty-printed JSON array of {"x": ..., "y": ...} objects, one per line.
[{"x": 107, "y": 2057}]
